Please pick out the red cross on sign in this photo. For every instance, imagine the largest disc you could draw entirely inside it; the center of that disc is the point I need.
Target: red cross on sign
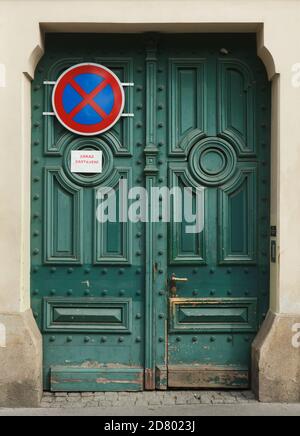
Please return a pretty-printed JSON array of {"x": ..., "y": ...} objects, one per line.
[{"x": 88, "y": 99}]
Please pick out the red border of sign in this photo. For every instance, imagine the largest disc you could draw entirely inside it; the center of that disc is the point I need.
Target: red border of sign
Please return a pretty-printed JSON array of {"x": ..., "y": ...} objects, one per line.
[{"x": 63, "y": 116}]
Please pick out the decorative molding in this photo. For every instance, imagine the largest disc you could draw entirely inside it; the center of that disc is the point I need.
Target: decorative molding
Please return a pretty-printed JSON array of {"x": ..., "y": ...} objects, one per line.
[
  {"x": 89, "y": 180},
  {"x": 212, "y": 161},
  {"x": 223, "y": 315},
  {"x": 99, "y": 379},
  {"x": 151, "y": 170},
  {"x": 105, "y": 232},
  {"x": 89, "y": 315},
  {"x": 62, "y": 197},
  {"x": 179, "y": 176},
  {"x": 190, "y": 140},
  {"x": 236, "y": 97},
  {"x": 151, "y": 156},
  {"x": 242, "y": 215}
]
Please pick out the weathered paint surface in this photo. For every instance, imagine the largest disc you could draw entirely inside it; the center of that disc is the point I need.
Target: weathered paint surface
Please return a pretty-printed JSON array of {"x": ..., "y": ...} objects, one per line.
[
  {"x": 207, "y": 377},
  {"x": 162, "y": 378},
  {"x": 68, "y": 379},
  {"x": 88, "y": 279}
]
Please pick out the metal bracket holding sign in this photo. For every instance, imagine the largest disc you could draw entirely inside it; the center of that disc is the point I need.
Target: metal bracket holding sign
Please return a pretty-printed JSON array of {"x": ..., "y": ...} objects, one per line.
[
  {"x": 52, "y": 114},
  {"x": 88, "y": 99}
]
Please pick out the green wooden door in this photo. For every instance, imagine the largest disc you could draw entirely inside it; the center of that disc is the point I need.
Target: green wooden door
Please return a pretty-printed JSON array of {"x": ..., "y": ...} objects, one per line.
[
  {"x": 87, "y": 277},
  {"x": 218, "y": 101},
  {"x": 101, "y": 293}
]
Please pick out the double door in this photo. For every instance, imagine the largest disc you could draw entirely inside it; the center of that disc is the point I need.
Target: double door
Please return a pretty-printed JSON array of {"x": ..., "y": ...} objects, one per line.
[{"x": 174, "y": 297}]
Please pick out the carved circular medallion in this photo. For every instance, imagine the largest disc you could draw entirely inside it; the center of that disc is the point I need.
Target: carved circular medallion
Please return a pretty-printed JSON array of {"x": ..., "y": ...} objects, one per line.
[
  {"x": 212, "y": 161},
  {"x": 89, "y": 179}
]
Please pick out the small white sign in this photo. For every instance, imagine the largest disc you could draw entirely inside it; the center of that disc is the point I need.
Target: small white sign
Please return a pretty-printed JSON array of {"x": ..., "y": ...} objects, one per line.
[{"x": 86, "y": 161}]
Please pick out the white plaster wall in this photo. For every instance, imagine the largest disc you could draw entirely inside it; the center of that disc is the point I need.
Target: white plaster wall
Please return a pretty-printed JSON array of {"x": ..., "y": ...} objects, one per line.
[{"x": 277, "y": 25}]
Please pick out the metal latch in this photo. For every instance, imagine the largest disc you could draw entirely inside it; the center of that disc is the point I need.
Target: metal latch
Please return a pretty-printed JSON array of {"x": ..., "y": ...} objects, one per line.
[{"x": 173, "y": 284}]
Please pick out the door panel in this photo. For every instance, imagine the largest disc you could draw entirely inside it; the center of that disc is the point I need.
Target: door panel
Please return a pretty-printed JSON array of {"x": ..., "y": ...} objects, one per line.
[
  {"x": 87, "y": 278},
  {"x": 188, "y": 99},
  {"x": 63, "y": 241},
  {"x": 185, "y": 248},
  {"x": 219, "y": 140},
  {"x": 237, "y": 104}
]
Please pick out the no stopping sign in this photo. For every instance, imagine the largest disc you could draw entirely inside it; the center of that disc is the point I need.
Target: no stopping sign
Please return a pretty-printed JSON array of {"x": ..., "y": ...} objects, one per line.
[{"x": 88, "y": 99}]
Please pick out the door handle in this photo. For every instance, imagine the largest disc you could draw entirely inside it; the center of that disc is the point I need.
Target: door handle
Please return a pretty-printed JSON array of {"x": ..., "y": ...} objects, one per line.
[{"x": 173, "y": 284}]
